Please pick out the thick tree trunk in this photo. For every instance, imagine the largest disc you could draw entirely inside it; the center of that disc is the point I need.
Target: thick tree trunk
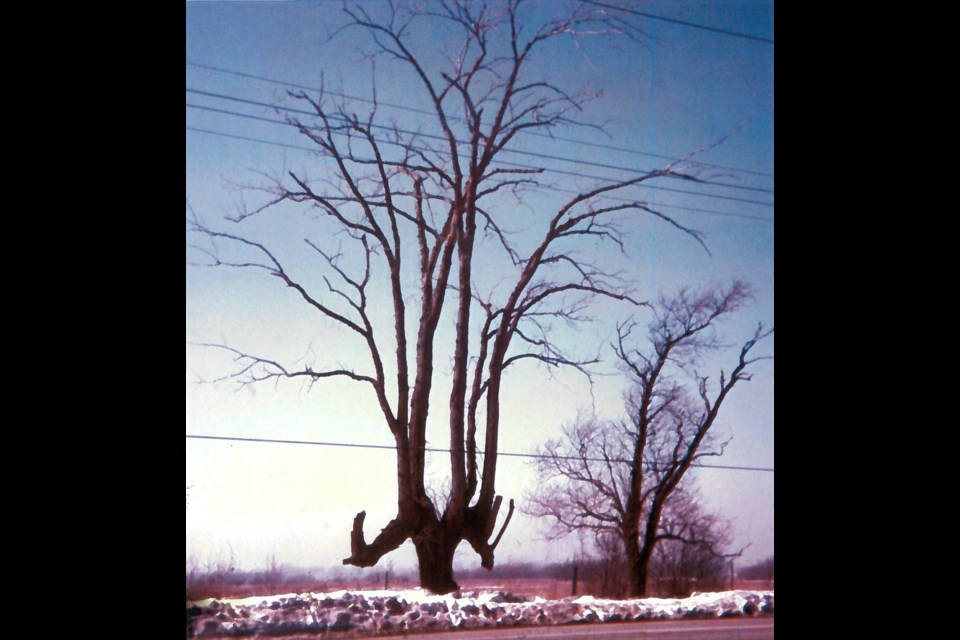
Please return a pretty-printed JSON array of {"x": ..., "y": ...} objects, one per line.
[
  {"x": 637, "y": 567},
  {"x": 435, "y": 549},
  {"x": 638, "y": 579}
]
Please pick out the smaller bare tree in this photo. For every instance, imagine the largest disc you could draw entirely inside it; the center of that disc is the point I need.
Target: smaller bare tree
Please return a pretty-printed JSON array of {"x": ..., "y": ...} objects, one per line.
[{"x": 624, "y": 478}]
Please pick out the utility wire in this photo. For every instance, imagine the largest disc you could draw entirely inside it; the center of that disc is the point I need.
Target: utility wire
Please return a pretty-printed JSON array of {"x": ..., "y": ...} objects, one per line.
[
  {"x": 578, "y": 174},
  {"x": 556, "y": 189},
  {"x": 353, "y": 445},
  {"x": 430, "y": 136},
  {"x": 249, "y": 139},
  {"x": 432, "y": 113},
  {"x": 683, "y": 23}
]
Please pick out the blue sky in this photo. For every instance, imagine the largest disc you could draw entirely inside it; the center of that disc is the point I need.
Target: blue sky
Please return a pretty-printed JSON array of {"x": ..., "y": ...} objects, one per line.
[{"x": 678, "y": 90}]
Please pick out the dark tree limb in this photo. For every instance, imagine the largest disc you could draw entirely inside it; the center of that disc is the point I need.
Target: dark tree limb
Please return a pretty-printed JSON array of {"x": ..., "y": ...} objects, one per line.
[{"x": 367, "y": 555}]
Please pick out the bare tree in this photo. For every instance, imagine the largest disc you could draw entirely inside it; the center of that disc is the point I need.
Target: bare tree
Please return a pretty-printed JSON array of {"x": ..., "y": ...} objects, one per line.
[
  {"x": 624, "y": 478},
  {"x": 409, "y": 204}
]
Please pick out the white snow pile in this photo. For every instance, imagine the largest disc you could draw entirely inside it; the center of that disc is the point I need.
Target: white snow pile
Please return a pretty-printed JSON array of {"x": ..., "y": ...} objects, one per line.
[{"x": 344, "y": 614}]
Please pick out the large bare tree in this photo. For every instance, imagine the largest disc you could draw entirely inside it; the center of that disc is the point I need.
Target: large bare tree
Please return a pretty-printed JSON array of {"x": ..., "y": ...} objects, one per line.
[
  {"x": 415, "y": 206},
  {"x": 624, "y": 478}
]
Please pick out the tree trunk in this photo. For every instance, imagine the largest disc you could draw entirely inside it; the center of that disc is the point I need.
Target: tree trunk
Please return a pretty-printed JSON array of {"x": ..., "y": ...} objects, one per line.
[
  {"x": 638, "y": 579},
  {"x": 637, "y": 572},
  {"x": 638, "y": 561},
  {"x": 435, "y": 548}
]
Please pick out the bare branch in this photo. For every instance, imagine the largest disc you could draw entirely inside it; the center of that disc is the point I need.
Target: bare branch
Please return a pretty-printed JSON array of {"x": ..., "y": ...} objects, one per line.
[
  {"x": 277, "y": 270},
  {"x": 256, "y": 369},
  {"x": 367, "y": 555}
]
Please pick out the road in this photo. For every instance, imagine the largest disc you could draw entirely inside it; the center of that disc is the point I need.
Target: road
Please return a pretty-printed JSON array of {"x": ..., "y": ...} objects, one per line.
[{"x": 721, "y": 629}]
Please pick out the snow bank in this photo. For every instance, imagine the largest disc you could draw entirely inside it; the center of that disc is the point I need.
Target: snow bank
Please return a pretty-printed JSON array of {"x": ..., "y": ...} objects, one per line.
[{"x": 345, "y": 614}]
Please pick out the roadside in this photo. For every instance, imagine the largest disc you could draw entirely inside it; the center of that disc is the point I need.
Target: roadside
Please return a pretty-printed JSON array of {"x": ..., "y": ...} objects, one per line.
[{"x": 343, "y": 614}]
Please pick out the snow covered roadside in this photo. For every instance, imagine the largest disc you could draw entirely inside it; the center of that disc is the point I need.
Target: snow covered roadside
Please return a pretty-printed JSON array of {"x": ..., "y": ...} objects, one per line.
[{"x": 344, "y": 614}]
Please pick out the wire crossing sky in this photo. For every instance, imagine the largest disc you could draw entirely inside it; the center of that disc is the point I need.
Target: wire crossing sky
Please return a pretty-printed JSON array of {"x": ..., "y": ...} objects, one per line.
[
  {"x": 439, "y": 137},
  {"x": 512, "y": 164},
  {"x": 390, "y": 447},
  {"x": 726, "y": 32},
  {"x": 427, "y": 112},
  {"x": 694, "y": 88},
  {"x": 582, "y": 162}
]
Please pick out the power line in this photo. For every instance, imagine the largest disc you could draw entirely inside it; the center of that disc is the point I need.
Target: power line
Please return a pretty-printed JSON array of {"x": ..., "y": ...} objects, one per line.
[
  {"x": 577, "y": 174},
  {"x": 249, "y": 139},
  {"x": 432, "y": 113},
  {"x": 557, "y": 189},
  {"x": 580, "y": 174},
  {"x": 683, "y": 23},
  {"x": 521, "y": 152},
  {"x": 746, "y": 216},
  {"x": 353, "y": 445}
]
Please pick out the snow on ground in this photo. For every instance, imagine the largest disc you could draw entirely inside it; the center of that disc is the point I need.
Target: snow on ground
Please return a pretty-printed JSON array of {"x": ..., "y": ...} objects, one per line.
[{"x": 345, "y": 614}]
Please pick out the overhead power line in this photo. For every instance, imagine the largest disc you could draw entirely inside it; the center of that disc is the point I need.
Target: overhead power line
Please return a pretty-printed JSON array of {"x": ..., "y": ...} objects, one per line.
[
  {"x": 432, "y": 113},
  {"x": 683, "y": 23},
  {"x": 577, "y": 174},
  {"x": 558, "y": 190},
  {"x": 354, "y": 445},
  {"x": 521, "y": 152}
]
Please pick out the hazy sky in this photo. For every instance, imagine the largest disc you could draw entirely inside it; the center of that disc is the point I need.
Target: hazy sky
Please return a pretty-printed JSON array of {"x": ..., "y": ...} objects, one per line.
[{"x": 678, "y": 90}]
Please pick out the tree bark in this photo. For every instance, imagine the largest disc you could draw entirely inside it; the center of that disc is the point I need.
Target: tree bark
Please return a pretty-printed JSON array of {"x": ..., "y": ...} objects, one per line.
[
  {"x": 435, "y": 548},
  {"x": 636, "y": 562},
  {"x": 639, "y": 563}
]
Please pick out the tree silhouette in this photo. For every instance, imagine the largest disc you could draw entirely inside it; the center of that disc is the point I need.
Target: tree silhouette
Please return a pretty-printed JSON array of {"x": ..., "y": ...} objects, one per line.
[
  {"x": 419, "y": 214},
  {"x": 624, "y": 478}
]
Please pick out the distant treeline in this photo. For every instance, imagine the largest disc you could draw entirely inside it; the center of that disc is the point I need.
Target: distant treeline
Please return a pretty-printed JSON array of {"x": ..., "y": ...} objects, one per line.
[
  {"x": 600, "y": 576},
  {"x": 224, "y": 580},
  {"x": 285, "y": 574},
  {"x": 762, "y": 570},
  {"x": 553, "y": 571},
  {"x": 233, "y": 577}
]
